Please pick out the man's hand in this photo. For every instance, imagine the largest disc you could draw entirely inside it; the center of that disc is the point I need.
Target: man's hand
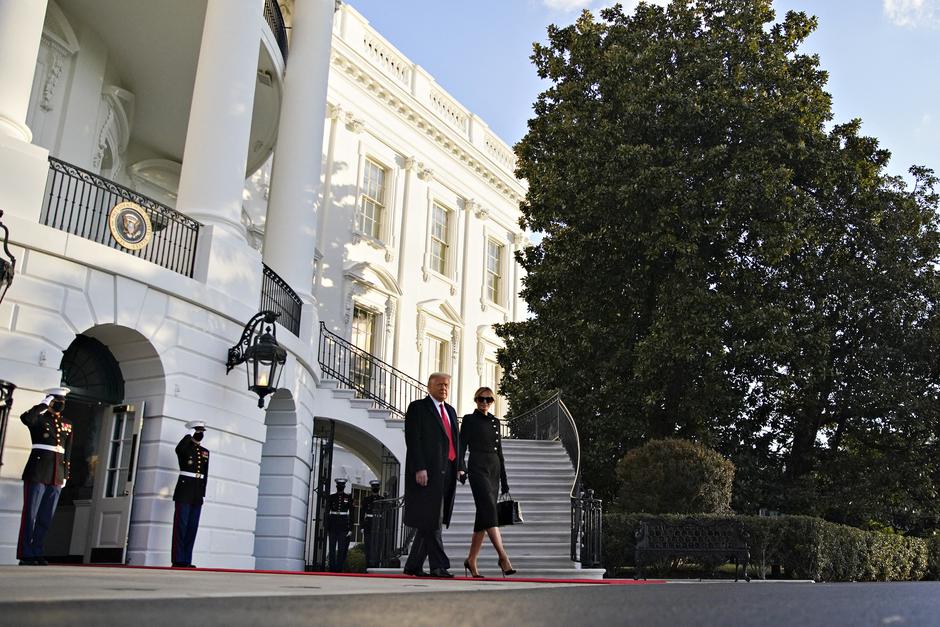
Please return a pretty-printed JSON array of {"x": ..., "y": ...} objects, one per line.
[
  {"x": 422, "y": 478},
  {"x": 461, "y": 477}
]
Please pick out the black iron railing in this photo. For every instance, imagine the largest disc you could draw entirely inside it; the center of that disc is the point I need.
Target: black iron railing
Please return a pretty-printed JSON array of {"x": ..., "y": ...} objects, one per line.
[
  {"x": 277, "y": 296},
  {"x": 6, "y": 403},
  {"x": 79, "y": 202},
  {"x": 368, "y": 375},
  {"x": 552, "y": 421},
  {"x": 275, "y": 20},
  {"x": 392, "y": 538}
]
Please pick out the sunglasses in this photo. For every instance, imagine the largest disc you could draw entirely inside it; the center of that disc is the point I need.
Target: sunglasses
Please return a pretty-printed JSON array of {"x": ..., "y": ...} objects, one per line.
[{"x": 484, "y": 399}]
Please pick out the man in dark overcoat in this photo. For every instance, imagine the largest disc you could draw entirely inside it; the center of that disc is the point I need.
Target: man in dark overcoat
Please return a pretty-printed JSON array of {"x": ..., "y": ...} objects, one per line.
[
  {"x": 45, "y": 474},
  {"x": 190, "y": 492},
  {"x": 431, "y": 471}
]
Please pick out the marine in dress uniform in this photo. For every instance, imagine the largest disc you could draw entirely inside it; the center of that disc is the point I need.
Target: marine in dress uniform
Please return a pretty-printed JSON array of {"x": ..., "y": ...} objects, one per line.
[
  {"x": 366, "y": 516},
  {"x": 189, "y": 494},
  {"x": 45, "y": 474},
  {"x": 338, "y": 526}
]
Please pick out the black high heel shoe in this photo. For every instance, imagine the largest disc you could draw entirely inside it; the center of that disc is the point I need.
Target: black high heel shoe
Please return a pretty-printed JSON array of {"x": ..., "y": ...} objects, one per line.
[
  {"x": 467, "y": 569},
  {"x": 506, "y": 572}
]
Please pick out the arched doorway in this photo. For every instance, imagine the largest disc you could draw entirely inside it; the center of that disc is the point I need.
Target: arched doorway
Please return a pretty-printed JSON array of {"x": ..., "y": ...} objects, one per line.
[{"x": 93, "y": 518}]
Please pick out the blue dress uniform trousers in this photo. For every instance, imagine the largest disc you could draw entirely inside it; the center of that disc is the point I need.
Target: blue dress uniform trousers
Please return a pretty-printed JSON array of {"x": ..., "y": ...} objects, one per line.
[
  {"x": 185, "y": 526},
  {"x": 39, "y": 503}
]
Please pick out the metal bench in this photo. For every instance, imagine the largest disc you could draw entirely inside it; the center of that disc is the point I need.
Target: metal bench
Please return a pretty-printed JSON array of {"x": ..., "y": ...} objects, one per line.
[{"x": 709, "y": 542}]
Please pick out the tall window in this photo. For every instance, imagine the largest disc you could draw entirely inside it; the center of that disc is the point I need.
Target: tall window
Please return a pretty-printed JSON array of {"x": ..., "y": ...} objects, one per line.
[
  {"x": 440, "y": 231},
  {"x": 363, "y": 333},
  {"x": 372, "y": 203},
  {"x": 494, "y": 262},
  {"x": 436, "y": 355},
  {"x": 491, "y": 377}
]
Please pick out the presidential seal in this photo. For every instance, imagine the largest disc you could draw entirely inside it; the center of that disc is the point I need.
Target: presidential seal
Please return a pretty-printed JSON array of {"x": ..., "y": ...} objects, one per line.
[{"x": 130, "y": 225}]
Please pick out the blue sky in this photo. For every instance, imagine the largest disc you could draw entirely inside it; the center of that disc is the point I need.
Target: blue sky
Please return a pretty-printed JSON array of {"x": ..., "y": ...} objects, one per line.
[{"x": 883, "y": 59}]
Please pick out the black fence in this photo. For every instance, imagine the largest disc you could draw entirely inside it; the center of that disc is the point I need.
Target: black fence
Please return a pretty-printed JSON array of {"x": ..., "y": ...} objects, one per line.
[
  {"x": 389, "y": 538},
  {"x": 369, "y": 376},
  {"x": 552, "y": 421},
  {"x": 275, "y": 20},
  {"x": 79, "y": 202},
  {"x": 277, "y": 296}
]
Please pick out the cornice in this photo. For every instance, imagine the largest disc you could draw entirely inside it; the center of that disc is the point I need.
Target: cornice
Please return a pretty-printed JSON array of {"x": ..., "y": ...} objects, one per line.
[{"x": 417, "y": 115}]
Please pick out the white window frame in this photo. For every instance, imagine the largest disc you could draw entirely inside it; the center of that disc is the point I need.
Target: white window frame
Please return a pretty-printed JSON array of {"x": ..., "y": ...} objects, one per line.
[
  {"x": 371, "y": 149},
  {"x": 379, "y": 204}
]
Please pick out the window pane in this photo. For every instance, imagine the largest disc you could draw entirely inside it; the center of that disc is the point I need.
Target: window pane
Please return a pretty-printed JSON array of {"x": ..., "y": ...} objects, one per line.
[
  {"x": 494, "y": 259},
  {"x": 372, "y": 203},
  {"x": 440, "y": 218}
]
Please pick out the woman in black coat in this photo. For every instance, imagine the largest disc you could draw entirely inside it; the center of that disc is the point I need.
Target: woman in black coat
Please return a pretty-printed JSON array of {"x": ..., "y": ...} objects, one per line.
[{"x": 479, "y": 432}]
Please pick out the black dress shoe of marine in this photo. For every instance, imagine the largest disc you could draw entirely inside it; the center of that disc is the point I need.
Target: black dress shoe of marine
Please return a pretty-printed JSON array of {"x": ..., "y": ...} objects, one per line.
[
  {"x": 28, "y": 563},
  {"x": 41, "y": 561},
  {"x": 440, "y": 572},
  {"x": 416, "y": 573}
]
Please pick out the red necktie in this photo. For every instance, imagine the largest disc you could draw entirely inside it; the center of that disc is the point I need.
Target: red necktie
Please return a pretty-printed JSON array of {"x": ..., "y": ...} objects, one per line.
[{"x": 451, "y": 451}]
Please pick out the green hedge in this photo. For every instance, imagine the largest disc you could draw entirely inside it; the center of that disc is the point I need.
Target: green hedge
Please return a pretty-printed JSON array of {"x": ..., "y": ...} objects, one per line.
[{"x": 802, "y": 546}]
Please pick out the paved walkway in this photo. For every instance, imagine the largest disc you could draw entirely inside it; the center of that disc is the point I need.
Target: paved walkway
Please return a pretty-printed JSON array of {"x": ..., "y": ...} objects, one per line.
[{"x": 75, "y": 596}]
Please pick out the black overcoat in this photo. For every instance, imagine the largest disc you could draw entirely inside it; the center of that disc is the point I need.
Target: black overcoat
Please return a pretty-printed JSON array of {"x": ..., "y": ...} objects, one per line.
[
  {"x": 427, "y": 446},
  {"x": 479, "y": 433},
  {"x": 48, "y": 430},
  {"x": 195, "y": 459}
]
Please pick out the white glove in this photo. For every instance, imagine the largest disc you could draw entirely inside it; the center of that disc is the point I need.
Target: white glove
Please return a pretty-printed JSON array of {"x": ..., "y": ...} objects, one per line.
[{"x": 48, "y": 400}]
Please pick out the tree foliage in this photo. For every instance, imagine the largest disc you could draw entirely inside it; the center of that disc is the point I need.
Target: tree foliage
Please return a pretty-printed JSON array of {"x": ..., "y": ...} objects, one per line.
[
  {"x": 722, "y": 263},
  {"x": 672, "y": 476}
]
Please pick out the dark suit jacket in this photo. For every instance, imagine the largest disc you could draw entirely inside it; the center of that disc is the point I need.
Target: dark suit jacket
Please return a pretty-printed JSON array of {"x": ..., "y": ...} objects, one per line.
[
  {"x": 47, "y": 466},
  {"x": 427, "y": 446},
  {"x": 195, "y": 459}
]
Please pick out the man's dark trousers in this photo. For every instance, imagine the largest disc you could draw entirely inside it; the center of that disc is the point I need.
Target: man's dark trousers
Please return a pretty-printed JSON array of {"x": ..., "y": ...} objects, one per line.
[
  {"x": 428, "y": 543},
  {"x": 39, "y": 502}
]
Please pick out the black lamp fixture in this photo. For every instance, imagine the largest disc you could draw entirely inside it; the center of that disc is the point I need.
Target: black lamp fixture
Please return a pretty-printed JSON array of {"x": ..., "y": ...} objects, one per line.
[
  {"x": 6, "y": 402},
  {"x": 263, "y": 357},
  {"x": 6, "y": 266}
]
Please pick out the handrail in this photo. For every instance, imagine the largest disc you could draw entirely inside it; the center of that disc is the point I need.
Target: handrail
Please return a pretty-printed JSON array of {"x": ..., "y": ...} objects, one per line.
[
  {"x": 551, "y": 421},
  {"x": 368, "y": 375},
  {"x": 278, "y": 296},
  {"x": 543, "y": 422}
]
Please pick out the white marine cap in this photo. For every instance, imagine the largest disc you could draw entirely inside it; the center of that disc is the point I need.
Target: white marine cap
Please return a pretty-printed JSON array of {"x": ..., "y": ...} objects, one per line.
[
  {"x": 198, "y": 425},
  {"x": 58, "y": 392}
]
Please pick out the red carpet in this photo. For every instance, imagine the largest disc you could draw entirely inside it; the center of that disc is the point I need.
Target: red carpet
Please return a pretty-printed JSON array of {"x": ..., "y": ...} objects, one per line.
[{"x": 617, "y": 582}]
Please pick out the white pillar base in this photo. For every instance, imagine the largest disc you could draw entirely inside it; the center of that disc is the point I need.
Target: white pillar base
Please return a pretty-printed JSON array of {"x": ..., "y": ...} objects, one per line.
[
  {"x": 24, "y": 169},
  {"x": 225, "y": 262}
]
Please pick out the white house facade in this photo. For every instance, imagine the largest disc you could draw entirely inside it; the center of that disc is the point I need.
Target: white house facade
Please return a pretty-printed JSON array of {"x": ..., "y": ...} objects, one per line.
[{"x": 331, "y": 180}]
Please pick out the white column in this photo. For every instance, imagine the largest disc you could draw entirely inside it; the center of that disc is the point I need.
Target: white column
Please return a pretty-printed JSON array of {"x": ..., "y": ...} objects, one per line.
[
  {"x": 23, "y": 167},
  {"x": 20, "y": 34},
  {"x": 216, "y": 151},
  {"x": 290, "y": 232}
]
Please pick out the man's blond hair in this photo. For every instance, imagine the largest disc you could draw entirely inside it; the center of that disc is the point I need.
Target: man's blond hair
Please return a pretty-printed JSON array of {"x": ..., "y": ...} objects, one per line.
[{"x": 438, "y": 375}]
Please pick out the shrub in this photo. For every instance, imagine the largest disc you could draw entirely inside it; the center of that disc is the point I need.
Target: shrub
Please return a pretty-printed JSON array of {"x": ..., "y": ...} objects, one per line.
[
  {"x": 356, "y": 559},
  {"x": 802, "y": 546},
  {"x": 675, "y": 476}
]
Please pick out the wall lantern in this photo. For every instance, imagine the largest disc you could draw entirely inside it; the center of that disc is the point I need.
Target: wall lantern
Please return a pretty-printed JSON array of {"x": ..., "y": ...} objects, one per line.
[
  {"x": 6, "y": 402},
  {"x": 6, "y": 266},
  {"x": 263, "y": 356}
]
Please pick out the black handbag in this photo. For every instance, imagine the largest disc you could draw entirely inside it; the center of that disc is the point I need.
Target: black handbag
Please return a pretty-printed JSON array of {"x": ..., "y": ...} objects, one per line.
[{"x": 508, "y": 511}]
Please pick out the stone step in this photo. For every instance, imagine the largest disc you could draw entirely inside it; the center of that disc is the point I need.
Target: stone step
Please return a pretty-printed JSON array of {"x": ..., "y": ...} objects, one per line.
[{"x": 494, "y": 573}]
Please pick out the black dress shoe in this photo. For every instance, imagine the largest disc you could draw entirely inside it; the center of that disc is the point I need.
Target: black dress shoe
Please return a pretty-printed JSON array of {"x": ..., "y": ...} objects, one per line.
[
  {"x": 27, "y": 562},
  {"x": 41, "y": 561},
  {"x": 416, "y": 573},
  {"x": 440, "y": 572}
]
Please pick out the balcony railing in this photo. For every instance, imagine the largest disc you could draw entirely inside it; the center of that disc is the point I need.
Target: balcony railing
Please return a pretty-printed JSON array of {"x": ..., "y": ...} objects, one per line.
[
  {"x": 368, "y": 375},
  {"x": 274, "y": 18},
  {"x": 79, "y": 202},
  {"x": 277, "y": 296}
]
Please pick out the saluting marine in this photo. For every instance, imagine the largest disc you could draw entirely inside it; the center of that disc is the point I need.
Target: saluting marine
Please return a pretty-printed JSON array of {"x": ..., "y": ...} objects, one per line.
[
  {"x": 338, "y": 526},
  {"x": 190, "y": 492},
  {"x": 366, "y": 516},
  {"x": 45, "y": 474}
]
